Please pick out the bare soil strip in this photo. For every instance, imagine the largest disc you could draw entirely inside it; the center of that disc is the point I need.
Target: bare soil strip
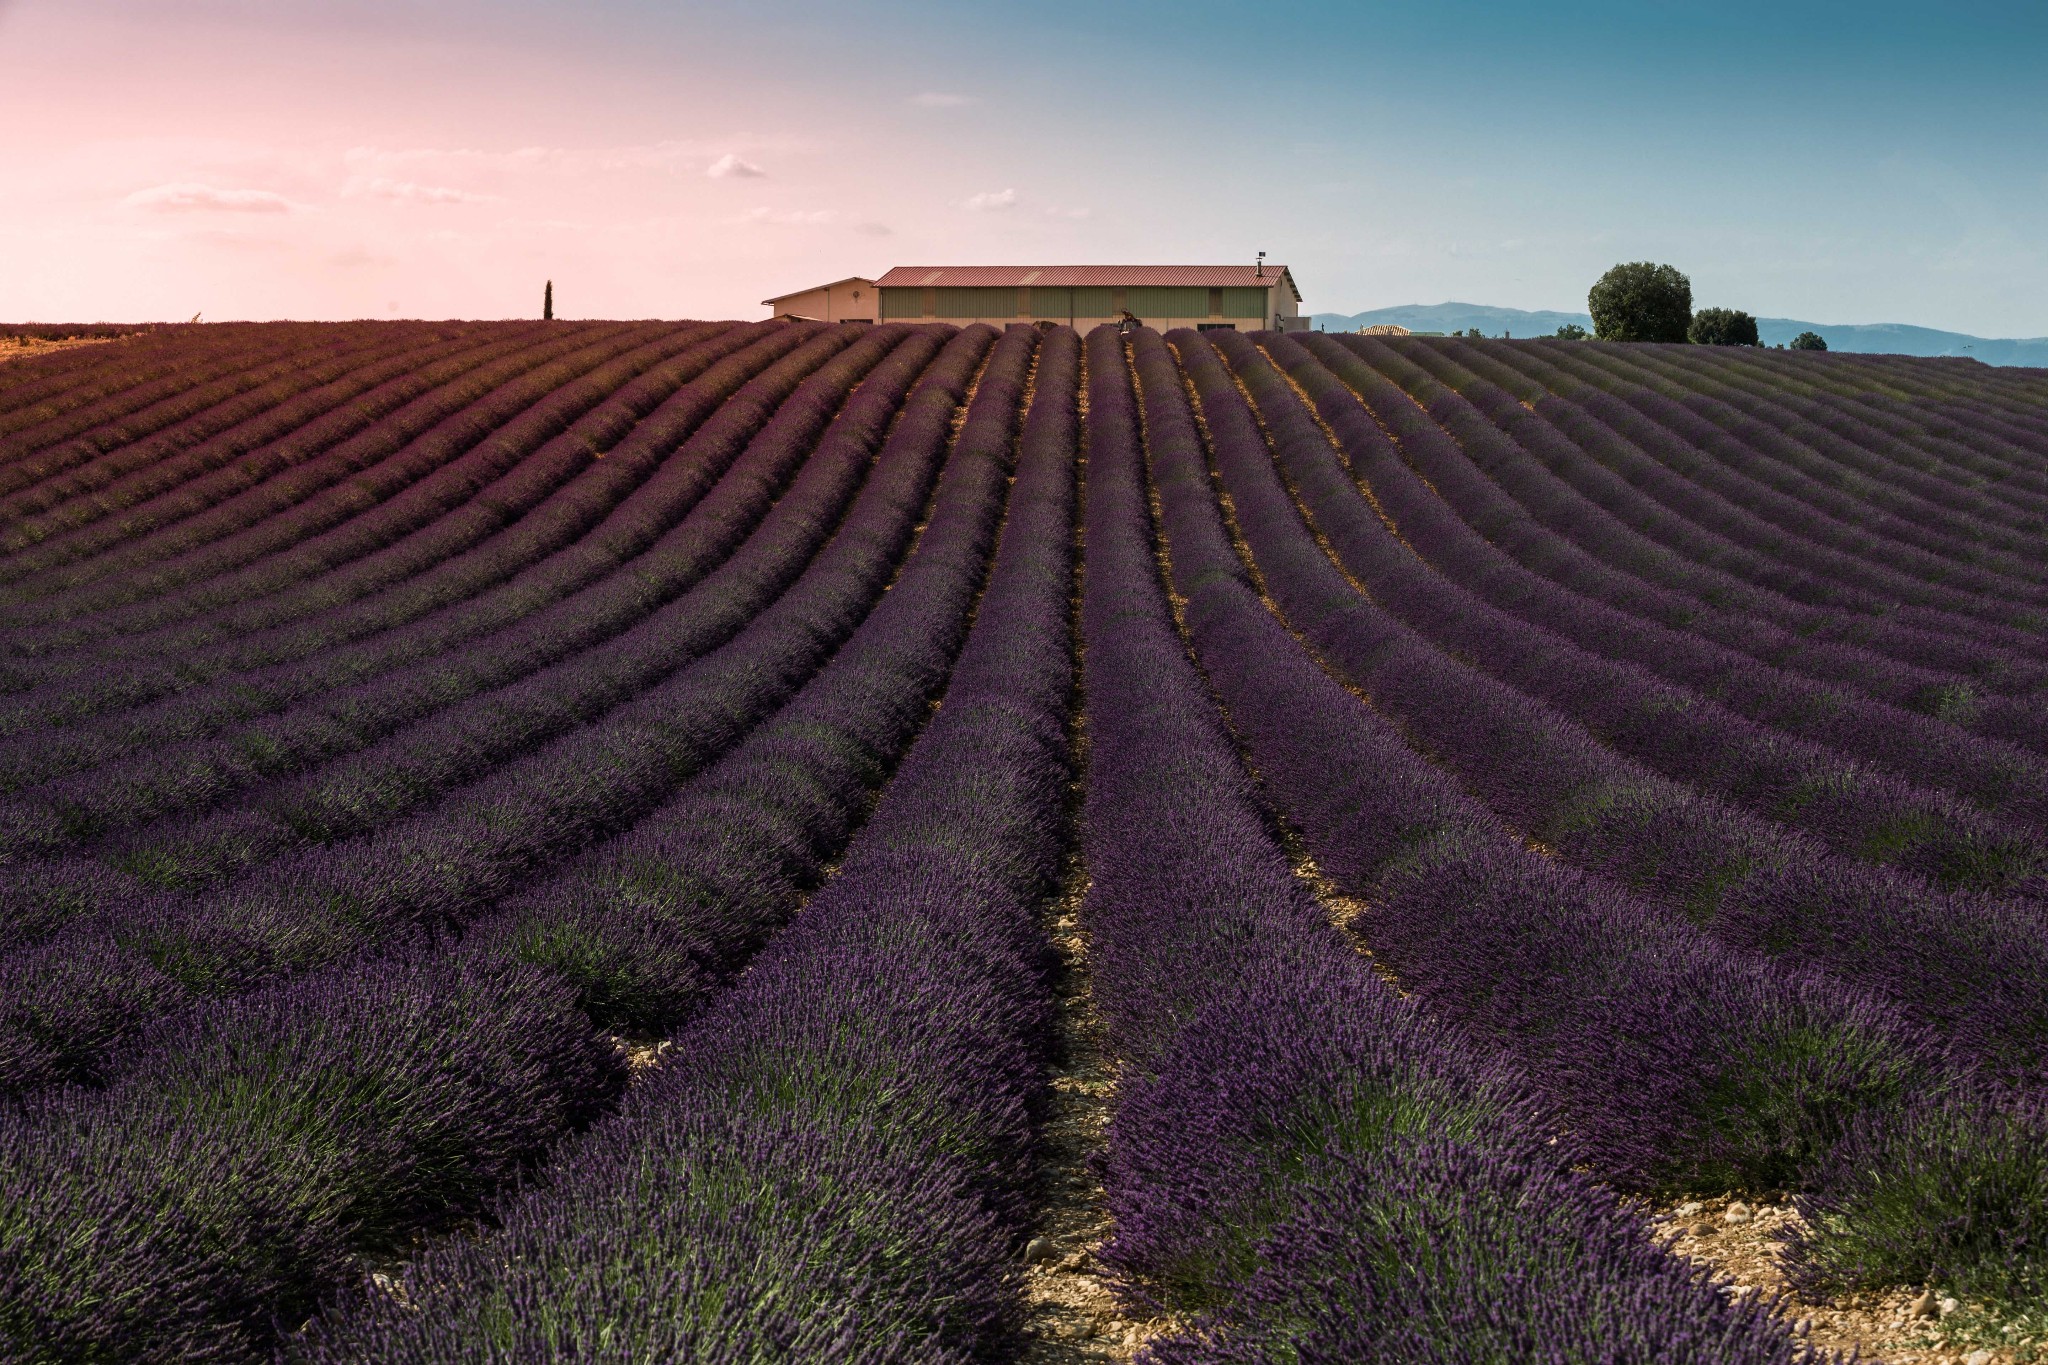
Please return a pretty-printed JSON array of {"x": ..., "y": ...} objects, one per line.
[
  {"x": 1738, "y": 1239},
  {"x": 1072, "y": 1313},
  {"x": 22, "y": 348}
]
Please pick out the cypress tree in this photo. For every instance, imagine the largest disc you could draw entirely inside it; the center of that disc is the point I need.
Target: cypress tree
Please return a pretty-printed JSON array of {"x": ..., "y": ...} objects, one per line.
[{"x": 547, "y": 303}]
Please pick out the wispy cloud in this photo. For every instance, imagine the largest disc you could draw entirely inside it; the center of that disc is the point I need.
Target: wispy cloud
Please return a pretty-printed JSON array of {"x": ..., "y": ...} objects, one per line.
[
  {"x": 731, "y": 165},
  {"x": 872, "y": 229},
  {"x": 992, "y": 201},
  {"x": 411, "y": 192},
  {"x": 940, "y": 99},
  {"x": 187, "y": 197},
  {"x": 1056, "y": 211}
]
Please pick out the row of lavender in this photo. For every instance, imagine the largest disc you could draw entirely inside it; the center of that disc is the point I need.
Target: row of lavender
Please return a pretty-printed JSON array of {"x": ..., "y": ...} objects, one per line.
[
  {"x": 1827, "y": 1046},
  {"x": 65, "y": 396},
  {"x": 1573, "y": 504},
  {"x": 1995, "y": 852},
  {"x": 241, "y": 1233},
  {"x": 907, "y": 1000},
  {"x": 444, "y": 848},
  {"x": 462, "y": 407},
  {"x": 1308, "y": 1165},
  {"x": 583, "y": 933},
  {"x": 1639, "y": 494},
  {"x": 1871, "y": 780},
  {"x": 1716, "y": 480},
  {"x": 1752, "y": 659},
  {"x": 618, "y": 622},
  {"x": 835, "y": 1166}
]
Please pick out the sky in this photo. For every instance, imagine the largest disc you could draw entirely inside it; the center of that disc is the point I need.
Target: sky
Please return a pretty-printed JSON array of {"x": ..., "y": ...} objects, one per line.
[{"x": 1867, "y": 162}]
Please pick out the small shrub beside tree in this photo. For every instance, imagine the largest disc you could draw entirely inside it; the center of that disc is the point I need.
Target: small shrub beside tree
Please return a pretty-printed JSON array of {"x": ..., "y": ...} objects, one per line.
[
  {"x": 1722, "y": 327},
  {"x": 1809, "y": 341},
  {"x": 1641, "y": 301}
]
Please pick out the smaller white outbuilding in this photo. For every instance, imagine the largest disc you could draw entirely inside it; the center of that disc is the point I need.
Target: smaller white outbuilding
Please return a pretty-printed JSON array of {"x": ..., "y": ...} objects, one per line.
[{"x": 849, "y": 300}]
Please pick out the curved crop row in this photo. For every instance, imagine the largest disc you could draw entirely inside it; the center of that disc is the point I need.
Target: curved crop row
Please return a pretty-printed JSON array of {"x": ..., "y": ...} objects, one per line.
[
  {"x": 70, "y": 1002},
  {"x": 102, "y": 505},
  {"x": 191, "y": 381},
  {"x": 399, "y": 399},
  {"x": 649, "y": 918},
  {"x": 194, "y": 414},
  {"x": 1646, "y": 475},
  {"x": 1673, "y": 1060},
  {"x": 1949, "y": 458},
  {"x": 570, "y": 650},
  {"x": 1750, "y": 476},
  {"x": 1956, "y": 963},
  {"x": 1924, "y": 749},
  {"x": 1628, "y": 466},
  {"x": 189, "y": 499},
  {"x": 515, "y": 529},
  {"x": 869, "y": 1083},
  {"x": 397, "y": 455},
  {"x": 1873, "y": 517},
  {"x": 1859, "y": 812},
  {"x": 1876, "y": 465},
  {"x": 1273, "y": 1084},
  {"x": 899, "y": 654},
  {"x": 1555, "y": 531},
  {"x": 69, "y": 380}
]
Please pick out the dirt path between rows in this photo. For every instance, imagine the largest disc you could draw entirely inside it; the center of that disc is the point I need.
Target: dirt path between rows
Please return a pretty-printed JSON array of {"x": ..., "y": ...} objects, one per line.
[
  {"x": 1738, "y": 1240},
  {"x": 24, "y": 348}
]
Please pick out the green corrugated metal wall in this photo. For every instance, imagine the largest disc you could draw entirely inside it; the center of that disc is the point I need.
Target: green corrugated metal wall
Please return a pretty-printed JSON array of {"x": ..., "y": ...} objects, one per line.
[
  {"x": 1167, "y": 302},
  {"x": 974, "y": 303},
  {"x": 902, "y": 303},
  {"x": 1059, "y": 303},
  {"x": 1056, "y": 304},
  {"x": 1244, "y": 303},
  {"x": 1093, "y": 303}
]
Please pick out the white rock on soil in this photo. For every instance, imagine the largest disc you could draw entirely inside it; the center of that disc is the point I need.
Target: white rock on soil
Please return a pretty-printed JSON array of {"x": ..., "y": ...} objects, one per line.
[
  {"x": 1689, "y": 1208},
  {"x": 1977, "y": 1358},
  {"x": 1948, "y": 1306},
  {"x": 1738, "y": 1212}
]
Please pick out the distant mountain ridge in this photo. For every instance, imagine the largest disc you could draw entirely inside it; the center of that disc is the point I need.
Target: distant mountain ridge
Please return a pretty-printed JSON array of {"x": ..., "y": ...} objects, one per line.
[{"x": 1885, "y": 338}]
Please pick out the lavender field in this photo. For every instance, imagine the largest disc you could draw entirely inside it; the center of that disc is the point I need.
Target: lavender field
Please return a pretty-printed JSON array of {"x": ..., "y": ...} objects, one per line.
[{"x": 633, "y": 842}]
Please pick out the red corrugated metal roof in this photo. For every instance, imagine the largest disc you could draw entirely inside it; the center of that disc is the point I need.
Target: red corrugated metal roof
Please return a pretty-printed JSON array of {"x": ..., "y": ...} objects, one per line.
[{"x": 1099, "y": 276}]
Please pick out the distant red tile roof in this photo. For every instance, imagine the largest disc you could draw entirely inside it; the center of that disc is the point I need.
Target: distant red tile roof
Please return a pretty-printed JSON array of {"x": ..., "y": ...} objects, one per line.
[{"x": 1100, "y": 276}]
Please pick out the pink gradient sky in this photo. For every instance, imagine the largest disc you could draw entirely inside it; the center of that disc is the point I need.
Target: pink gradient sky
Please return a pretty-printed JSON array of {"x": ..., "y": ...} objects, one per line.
[
  {"x": 260, "y": 161},
  {"x": 674, "y": 158}
]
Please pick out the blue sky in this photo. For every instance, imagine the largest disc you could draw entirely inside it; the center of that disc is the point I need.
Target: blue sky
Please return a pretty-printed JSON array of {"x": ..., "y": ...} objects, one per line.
[{"x": 1843, "y": 163}]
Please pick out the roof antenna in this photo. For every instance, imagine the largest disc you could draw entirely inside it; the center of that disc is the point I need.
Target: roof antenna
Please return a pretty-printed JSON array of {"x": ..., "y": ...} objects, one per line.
[{"x": 1260, "y": 273}]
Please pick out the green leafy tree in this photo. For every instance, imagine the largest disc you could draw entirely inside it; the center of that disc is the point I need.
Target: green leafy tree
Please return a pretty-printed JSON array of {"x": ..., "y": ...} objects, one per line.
[
  {"x": 547, "y": 303},
  {"x": 1809, "y": 341},
  {"x": 1472, "y": 333},
  {"x": 1571, "y": 331},
  {"x": 1722, "y": 327},
  {"x": 1641, "y": 301}
]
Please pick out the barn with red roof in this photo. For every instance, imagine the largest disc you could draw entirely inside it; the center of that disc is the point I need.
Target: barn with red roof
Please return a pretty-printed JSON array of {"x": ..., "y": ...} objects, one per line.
[{"x": 1238, "y": 297}]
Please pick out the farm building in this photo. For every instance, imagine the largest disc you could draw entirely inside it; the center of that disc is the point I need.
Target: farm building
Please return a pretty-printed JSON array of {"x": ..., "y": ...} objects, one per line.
[
  {"x": 1241, "y": 297},
  {"x": 1237, "y": 297},
  {"x": 848, "y": 300}
]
